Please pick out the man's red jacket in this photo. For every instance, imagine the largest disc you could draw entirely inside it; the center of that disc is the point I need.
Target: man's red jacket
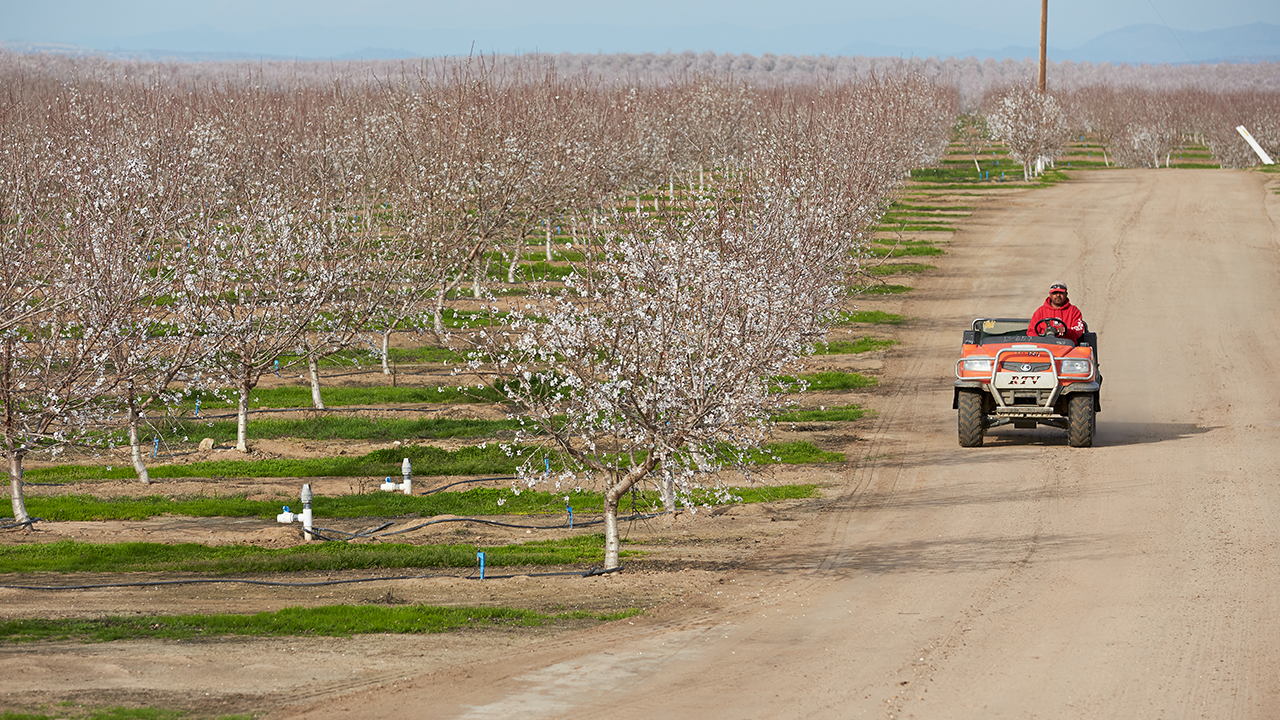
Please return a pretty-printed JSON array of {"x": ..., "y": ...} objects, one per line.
[{"x": 1069, "y": 314}]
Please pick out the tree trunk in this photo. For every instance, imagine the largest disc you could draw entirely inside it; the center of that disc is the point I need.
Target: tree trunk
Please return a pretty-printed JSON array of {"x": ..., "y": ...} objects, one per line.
[
  {"x": 20, "y": 504},
  {"x": 979, "y": 167},
  {"x": 612, "y": 543},
  {"x": 437, "y": 316},
  {"x": 313, "y": 368},
  {"x": 242, "y": 418},
  {"x": 549, "y": 240},
  {"x": 386, "y": 351},
  {"x": 667, "y": 489},
  {"x": 135, "y": 449},
  {"x": 516, "y": 247}
]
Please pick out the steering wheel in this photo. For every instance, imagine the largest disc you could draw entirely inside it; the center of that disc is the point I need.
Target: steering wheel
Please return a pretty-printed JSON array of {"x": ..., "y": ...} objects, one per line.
[{"x": 1052, "y": 326}]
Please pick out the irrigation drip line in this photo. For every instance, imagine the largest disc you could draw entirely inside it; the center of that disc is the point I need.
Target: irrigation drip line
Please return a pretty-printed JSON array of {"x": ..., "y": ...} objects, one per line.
[
  {"x": 27, "y": 524},
  {"x": 319, "y": 532},
  {"x": 466, "y": 482},
  {"x": 275, "y": 583},
  {"x": 350, "y": 535},
  {"x": 481, "y": 521}
]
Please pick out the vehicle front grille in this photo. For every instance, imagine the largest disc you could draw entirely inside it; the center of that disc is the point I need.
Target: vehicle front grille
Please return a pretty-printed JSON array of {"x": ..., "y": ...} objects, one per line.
[{"x": 1019, "y": 366}]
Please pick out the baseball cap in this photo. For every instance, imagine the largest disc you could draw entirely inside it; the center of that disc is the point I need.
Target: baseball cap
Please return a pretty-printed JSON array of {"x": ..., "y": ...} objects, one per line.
[{"x": 1057, "y": 287}]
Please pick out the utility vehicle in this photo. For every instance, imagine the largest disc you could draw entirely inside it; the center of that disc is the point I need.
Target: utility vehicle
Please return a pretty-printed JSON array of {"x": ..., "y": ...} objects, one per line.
[{"x": 1006, "y": 376}]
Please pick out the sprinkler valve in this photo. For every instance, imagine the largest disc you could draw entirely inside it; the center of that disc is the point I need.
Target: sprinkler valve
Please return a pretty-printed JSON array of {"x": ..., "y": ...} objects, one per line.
[
  {"x": 304, "y": 517},
  {"x": 406, "y": 472}
]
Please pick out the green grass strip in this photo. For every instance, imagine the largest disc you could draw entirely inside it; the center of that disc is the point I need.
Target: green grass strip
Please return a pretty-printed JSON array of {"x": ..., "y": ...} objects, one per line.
[
  {"x": 918, "y": 226},
  {"x": 328, "y": 621},
  {"x": 907, "y": 251},
  {"x": 844, "y": 347},
  {"x": 825, "y": 381},
  {"x": 69, "y": 556},
  {"x": 299, "y": 396},
  {"x": 427, "y": 461},
  {"x": 372, "y": 359},
  {"x": 795, "y": 453},
  {"x": 843, "y": 413},
  {"x": 470, "y": 503},
  {"x": 332, "y": 427},
  {"x": 871, "y": 317},
  {"x": 899, "y": 269}
]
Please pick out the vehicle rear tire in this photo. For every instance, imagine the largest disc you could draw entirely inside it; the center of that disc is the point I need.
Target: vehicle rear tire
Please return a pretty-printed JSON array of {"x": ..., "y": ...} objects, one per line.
[
  {"x": 972, "y": 421},
  {"x": 1081, "y": 421}
]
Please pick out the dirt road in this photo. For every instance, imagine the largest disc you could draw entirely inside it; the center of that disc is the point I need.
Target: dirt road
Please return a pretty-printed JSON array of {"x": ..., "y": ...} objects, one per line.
[{"x": 1136, "y": 579}]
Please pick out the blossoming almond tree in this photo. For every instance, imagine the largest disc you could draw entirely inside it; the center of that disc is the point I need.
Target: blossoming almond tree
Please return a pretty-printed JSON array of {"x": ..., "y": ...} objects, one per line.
[
  {"x": 661, "y": 364},
  {"x": 1032, "y": 125},
  {"x": 57, "y": 334},
  {"x": 271, "y": 276}
]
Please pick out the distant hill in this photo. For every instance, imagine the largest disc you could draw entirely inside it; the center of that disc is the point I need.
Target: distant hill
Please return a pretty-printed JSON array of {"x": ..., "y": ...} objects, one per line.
[{"x": 1259, "y": 42}]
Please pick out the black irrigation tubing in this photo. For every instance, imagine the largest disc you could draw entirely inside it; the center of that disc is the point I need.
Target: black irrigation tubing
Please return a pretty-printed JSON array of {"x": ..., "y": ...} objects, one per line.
[
  {"x": 594, "y": 572},
  {"x": 561, "y": 526},
  {"x": 466, "y": 482},
  {"x": 590, "y": 573},
  {"x": 26, "y": 524},
  {"x": 350, "y": 535}
]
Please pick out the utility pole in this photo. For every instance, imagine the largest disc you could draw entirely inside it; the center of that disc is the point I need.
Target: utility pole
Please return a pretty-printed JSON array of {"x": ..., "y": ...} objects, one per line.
[{"x": 1044, "y": 34}]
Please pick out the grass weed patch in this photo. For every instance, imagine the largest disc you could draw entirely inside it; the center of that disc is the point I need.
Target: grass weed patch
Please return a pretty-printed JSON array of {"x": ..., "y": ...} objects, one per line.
[
  {"x": 845, "y": 347},
  {"x": 824, "y": 381},
  {"x": 894, "y": 250},
  {"x": 843, "y": 413},
  {"x": 870, "y": 317},
  {"x": 899, "y": 268},
  {"x": 795, "y": 453}
]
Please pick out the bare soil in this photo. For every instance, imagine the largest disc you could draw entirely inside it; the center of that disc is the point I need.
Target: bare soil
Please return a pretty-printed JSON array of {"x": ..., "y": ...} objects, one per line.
[{"x": 1135, "y": 579}]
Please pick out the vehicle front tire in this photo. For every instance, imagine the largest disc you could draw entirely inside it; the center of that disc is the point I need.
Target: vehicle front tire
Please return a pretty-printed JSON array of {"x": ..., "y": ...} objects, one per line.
[
  {"x": 972, "y": 420},
  {"x": 1081, "y": 421}
]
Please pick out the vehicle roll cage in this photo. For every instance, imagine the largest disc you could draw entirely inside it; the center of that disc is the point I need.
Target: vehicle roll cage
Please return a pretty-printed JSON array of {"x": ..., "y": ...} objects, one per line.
[{"x": 989, "y": 331}]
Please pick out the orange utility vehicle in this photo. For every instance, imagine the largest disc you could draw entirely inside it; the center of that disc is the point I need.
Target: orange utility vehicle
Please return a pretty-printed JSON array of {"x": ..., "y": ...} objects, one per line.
[{"x": 1006, "y": 376}]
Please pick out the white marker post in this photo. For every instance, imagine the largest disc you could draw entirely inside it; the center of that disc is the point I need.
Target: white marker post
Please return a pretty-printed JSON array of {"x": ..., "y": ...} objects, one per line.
[{"x": 1266, "y": 159}]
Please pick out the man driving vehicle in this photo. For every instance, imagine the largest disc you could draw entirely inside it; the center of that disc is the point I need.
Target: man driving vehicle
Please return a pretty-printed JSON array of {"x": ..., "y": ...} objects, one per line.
[{"x": 1057, "y": 316}]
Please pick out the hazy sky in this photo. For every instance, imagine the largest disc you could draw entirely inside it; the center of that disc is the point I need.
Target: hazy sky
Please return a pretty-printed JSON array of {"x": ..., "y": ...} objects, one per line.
[{"x": 1071, "y": 23}]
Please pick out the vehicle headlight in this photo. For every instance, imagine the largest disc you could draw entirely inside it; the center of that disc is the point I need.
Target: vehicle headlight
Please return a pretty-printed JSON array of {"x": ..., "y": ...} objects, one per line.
[
  {"x": 977, "y": 365},
  {"x": 1075, "y": 367}
]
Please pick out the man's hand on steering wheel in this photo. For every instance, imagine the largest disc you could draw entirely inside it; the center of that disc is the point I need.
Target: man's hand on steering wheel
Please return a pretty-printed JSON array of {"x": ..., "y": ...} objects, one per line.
[{"x": 1045, "y": 327}]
